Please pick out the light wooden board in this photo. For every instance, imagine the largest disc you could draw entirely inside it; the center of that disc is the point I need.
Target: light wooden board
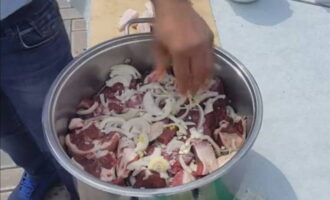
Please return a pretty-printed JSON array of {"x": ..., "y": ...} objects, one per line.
[{"x": 105, "y": 14}]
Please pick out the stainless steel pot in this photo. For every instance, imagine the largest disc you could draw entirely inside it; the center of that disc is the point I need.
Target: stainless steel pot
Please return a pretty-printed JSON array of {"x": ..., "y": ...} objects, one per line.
[{"x": 86, "y": 74}]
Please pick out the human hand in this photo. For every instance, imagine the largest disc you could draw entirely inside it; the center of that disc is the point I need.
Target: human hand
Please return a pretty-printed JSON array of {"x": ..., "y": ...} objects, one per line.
[{"x": 183, "y": 37}]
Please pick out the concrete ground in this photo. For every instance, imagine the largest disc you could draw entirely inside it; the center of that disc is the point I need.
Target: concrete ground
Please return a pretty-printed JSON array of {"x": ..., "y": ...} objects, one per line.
[{"x": 76, "y": 28}]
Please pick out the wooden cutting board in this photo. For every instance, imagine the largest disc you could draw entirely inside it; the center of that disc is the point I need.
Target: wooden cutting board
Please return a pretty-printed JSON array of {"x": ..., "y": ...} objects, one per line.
[{"x": 105, "y": 14}]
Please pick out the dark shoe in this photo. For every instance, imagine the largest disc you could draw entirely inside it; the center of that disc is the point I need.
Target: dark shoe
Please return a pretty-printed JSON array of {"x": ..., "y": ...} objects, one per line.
[{"x": 34, "y": 187}]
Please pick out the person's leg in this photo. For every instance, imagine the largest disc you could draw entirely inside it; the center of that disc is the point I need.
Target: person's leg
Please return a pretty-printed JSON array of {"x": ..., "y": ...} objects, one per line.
[
  {"x": 34, "y": 49},
  {"x": 31, "y": 58},
  {"x": 16, "y": 141}
]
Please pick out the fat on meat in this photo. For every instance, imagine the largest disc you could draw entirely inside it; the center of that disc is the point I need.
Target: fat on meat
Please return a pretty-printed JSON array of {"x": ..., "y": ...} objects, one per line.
[{"x": 206, "y": 158}]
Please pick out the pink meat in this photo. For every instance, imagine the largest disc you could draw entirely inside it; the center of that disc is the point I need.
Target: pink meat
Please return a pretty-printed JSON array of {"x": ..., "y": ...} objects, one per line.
[
  {"x": 166, "y": 136},
  {"x": 206, "y": 158},
  {"x": 109, "y": 94},
  {"x": 210, "y": 124},
  {"x": 182, "y": 177},
  {"x": 177, "y": 179},
  {"x": 77, "y": 146},
  {"x": 152, "y": 181},
  {"x": 85, "y": 103},
  {"x": 150, "y": 149},
  {"x": 234, "y": 128},
  {"x": 119, "y": 181},
  {"x": 91, "y": 166},
  {"x": 115, "y": 106},
  {"x": 200, "y": 170},
  {"x": 230, "y": 135},
  {"x": 193, "y": 116},
  {"x": 135, "y": 101},
  {"x": 217, "y": 86},
  {"x": 176, "y": 166},
  {"x": 220, "y": 114},
  {"x": 223, "y": 136},
  {"x": 91, "y": 133},
  {"x": 99, "y": 110},
  {"x": 133, "y": 84},
  {"x": 118, "y": 87},
  {"x": 108, "y": 161},
  {"x": 126, "y": 155},
  {"x": 84, "y": 139},
  {"x": 110, "y": 141},
  {"x": 91, "y": 140},
  {"x": 95, "y": 166}
]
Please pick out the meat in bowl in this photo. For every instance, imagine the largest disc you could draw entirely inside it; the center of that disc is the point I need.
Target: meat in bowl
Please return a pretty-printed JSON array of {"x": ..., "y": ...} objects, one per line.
[{"x": 141, "y": 133}]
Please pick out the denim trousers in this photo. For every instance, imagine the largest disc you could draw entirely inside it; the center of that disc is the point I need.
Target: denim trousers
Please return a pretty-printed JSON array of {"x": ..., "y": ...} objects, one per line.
[{"x": 34, "y": 48}]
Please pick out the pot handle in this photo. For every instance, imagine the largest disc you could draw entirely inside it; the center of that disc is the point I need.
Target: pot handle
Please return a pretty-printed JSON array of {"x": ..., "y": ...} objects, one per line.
[{"x": 136, "y": 21}]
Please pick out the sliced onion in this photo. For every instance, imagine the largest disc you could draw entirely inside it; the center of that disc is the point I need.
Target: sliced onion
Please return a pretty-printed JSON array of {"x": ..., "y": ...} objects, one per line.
[
  {"x": 207, "y": 94},
  {"x": 123, "y": 79},
  {"x": 120, "y": 70},
  {"x": 137, "y": 171},
  {"x": 138, "y": 125},
  {"x": 112, "y": 121},
  {"x": 100, "y": 154},
  {"x": 103, "y": 101},
  {"x": 184, "y": 165},
  {"x": 144, "y": 161},
  {"x": 142, "y": 142},
  {"x": 156, "y": 129},
  {"x": 232, "y": 114},
  {"x": 97, "y": 118},
  {"x": 201, "y": 117},
  {"x": 195, "y": 134},
  {"x": 115, "y": 129},
  {"x": 131, "y": 113},
  {"x": 151, "y": 86},
  {"x": 180, "y": 124},
  {"x": 173, "y": 145},
  {"x": 125, "y": 142},
  {"x": 166, "y": 112},
  {"x": 178, "y": 104},
  {"x": 150, "y": 106},
  {"x": 126, "y": 95},
  {"x": 76, "y": 123},
  {"x": 89, "y": 110}
]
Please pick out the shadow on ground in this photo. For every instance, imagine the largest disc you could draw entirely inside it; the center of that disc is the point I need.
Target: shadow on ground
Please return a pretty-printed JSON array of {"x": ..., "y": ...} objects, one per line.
[
  {"x": 263, "y": 12},
  {"x": 257, "y": 177}
]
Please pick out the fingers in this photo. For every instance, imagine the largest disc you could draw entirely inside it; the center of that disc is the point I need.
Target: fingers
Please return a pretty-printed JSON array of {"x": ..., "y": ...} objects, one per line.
[
  {"x": 201, "y": 68},
  {"x": 161, "y": 60},
  {"x": 181, "y": 68}
]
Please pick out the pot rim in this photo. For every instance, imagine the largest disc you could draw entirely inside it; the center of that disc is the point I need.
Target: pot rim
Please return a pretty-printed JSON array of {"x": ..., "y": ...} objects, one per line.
[{"x": 65, "y": 161}]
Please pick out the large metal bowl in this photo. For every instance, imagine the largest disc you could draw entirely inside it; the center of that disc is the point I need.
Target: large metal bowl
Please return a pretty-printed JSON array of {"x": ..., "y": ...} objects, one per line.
[{"x": 85, "y": 75}]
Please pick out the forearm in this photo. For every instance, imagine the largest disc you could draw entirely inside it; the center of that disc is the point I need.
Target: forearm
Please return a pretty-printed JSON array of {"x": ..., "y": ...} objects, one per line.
[{"x": 163, "y": 6}]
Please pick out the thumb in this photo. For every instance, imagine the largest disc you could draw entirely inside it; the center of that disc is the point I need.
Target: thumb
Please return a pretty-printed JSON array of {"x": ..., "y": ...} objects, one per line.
[{"x": 162, "y": 59}]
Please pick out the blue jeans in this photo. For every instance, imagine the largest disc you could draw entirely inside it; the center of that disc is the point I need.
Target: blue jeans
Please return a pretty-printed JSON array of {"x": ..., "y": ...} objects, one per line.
[{"x": 34, "y": 49}]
